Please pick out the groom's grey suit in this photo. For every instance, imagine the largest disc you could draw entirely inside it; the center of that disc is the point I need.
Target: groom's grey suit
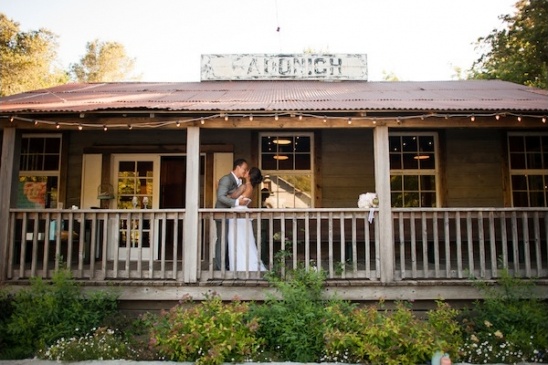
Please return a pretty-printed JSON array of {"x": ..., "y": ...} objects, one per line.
[{"x": 227, "y": 185}]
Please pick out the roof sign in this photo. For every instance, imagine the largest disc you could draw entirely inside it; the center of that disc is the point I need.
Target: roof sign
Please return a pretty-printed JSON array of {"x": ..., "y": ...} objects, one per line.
[{"x": 223, "y": 67}]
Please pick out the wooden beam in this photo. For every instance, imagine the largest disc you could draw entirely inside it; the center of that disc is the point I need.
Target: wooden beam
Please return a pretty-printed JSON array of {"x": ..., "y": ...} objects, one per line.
[
  {"x": 7, "y": 178},
  {"x": 382, "y": 187},
  {"x": 191, "y": 223}
]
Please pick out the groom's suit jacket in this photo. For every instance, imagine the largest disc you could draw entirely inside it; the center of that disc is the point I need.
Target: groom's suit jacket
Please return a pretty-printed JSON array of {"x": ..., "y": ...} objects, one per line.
[{"x": 227, "y": 184}]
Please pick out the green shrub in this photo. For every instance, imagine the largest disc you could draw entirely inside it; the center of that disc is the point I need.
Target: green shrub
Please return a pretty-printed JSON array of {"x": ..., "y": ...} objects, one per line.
[
  {"x": 101, "y": 344},
  {"x": 47, "y": 312},
  {"x": 293, "y": 326},
  {"x": 509, "y": 325},
  {"x": 390, "y": 337},
  {"x": 208, "y": 333}
]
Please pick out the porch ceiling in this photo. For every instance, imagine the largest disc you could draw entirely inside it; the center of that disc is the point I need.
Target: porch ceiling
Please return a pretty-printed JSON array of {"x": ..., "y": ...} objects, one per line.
[{"x": 282, "y": 96}]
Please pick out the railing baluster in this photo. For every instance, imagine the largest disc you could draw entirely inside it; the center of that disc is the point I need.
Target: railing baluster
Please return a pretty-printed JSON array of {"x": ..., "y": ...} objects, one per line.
[
  {"x": 538, "y": 252},
  {"x": 11, "y": 246},
  {"x": 459, "y": 245},
  {"x": 446, "y": 229},
  {"x": 176, "y": 245},
  {"x": 402, "y": 244},
  {"x": 526, "y": 247},
  {"x": 330, "y": 240},
  {"x": 367, "y": 248},
  {"x": 493, "y": 245},
  {"x": 34, "y": 254},
  {"x": 424, "y": 246},
  {"x": 342, "y": 246},
  {"x": 504, "y": 240},
  {"x": 470, "y": 244},
  {"x": 515, "y": 242},
  {"x": 481, "y": 245},
  {"x": 436, "y": 245},
  {"x": 412, "y": 222},
  {"x": 294, "y": 242},
  {"x": 307, "y": 240}
]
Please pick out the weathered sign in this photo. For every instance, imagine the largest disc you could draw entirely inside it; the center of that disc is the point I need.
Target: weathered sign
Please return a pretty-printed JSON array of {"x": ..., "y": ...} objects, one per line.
[{"x": 217, "y": 67}]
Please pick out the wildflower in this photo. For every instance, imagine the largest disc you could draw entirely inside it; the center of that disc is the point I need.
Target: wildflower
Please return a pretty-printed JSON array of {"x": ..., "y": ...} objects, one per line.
[
  {"x": 474, "y": 338},
  {"x": 498, "y": 334},
  {"x": 487, "y": 324}
]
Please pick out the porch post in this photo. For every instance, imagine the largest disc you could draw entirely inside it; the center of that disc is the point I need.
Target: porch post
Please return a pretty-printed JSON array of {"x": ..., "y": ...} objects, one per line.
[
  {"x": 190, "y": 236},
  {"x": 382, "y": 187},
  {"x": 7, "y": 177}
]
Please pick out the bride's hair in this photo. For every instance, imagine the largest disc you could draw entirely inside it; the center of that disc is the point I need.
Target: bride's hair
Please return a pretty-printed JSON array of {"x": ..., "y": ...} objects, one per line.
[{"x": 255, "y": 176}]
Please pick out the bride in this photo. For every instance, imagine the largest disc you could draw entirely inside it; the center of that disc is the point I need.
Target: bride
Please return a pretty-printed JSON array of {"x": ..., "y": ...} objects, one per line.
[{"x": 242, "y": 231}]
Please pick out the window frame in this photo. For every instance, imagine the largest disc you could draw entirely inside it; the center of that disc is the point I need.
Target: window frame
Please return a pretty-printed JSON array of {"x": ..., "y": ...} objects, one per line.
[
  {"x": 527, "y": 171},
  {"x": 44, "y": 173},
  {"x": 292, "y": 172},
  {"x": 420, "y": 172}
]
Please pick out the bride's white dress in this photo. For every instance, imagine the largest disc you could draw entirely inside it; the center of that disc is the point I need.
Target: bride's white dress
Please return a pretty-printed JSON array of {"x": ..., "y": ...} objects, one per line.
[{"x": 243, "y": 245}]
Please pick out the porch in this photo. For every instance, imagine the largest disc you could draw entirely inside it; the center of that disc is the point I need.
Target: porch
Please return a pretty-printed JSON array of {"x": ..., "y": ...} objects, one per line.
[{"x": 439, "y": 248}]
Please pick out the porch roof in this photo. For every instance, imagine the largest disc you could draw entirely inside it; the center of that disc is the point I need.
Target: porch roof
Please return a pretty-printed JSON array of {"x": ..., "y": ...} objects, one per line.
[{"x": 273, "y": 96}]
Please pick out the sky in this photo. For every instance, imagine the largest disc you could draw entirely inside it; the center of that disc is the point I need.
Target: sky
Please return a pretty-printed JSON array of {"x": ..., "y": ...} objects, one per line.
[{"x": 415, "y": 40}]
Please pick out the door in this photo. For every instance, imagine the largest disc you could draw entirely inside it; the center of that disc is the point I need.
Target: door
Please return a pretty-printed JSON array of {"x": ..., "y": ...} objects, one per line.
[{"x": 135, "y": 187}]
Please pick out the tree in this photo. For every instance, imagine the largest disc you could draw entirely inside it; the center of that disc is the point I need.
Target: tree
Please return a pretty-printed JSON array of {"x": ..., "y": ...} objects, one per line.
[
  {"x": 27, "y": 59},
  {"x": 103, "y": 62},
  {"x": 518, "y": 53}
]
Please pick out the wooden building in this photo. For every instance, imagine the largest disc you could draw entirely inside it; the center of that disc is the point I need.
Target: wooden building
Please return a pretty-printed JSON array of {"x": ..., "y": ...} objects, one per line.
[{"x": 116, "y": 181}]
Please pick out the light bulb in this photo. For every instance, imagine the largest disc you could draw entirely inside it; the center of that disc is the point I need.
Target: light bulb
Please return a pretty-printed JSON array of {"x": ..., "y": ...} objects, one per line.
[
  {"x": 251, "y": 118},
  {"x": 80, "y": 127}
]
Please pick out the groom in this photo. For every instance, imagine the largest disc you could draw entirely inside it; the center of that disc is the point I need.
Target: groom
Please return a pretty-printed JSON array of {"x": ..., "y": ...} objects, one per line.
[{"x": 227, "y": 184}]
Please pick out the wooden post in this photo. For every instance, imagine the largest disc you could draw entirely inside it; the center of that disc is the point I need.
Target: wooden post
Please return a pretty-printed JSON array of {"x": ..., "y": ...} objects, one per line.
[
  {"x": 190, "y": 238},
  {"x": 7, "y": 178},
  {"x": 382, "y": 186}
]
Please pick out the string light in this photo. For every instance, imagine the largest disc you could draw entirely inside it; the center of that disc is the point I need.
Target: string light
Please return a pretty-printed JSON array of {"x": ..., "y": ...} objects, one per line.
[
  {"x": 300, "y": 117},
  {"x": 276, "y": 116},
  {"x": 105, "y": 127},
  {"x": 80, "y": 127}
]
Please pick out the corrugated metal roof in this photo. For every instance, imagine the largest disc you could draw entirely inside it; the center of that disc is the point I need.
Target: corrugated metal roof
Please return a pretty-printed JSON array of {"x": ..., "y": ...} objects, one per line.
[{"x": 271, "y": 96}]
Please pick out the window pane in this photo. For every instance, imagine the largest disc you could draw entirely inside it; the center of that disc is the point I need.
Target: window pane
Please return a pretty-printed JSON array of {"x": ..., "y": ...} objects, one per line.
[
  {"x": 409, "y": 144},
  {"x": 285, "y": 162},
  {"x": 396, "y": 183},
  {"x": 52, "y": 145},
  {"x": 426, "y": 143},
  {"x": 397, "y": 200},
  {"x": 302, "y": 162},
  {"x": 302, "y": 144},
  {"x": 410, "y": 162},
  {"x": 517, "y": 160},
  {"x": 428, "y": 200},
  {"x": 411, "y": 183},
  {"x": 428, "y": 182},
  {"x": 534, "y": 161},
  {"x": 519, "y": 182},
  {"x": 288, "y": 191},
  {"x": 427, "y": 161},
  {"x": 395, "y": 144},
  {"x": 144, "y": 168},
  {"x": 520, "y": 199},
  {"x": 516, "y": 144},
  {"x": 51, "y": 162},
  {"x": 36, "y": 145},
  {"x": 532, "y": 144},
  {"x": 268, "y": 162},
  {"x": 537, "y": 199},
  {"x": 411, "y": 200},
  {"x": 395, "y": 161},
  {"x": 126, "y": 168},
  {"x": 535, "y": 183}
]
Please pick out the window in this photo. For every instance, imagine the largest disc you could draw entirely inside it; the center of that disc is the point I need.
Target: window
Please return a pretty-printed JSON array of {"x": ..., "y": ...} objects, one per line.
[
  {"x": 39, "y": 171},
  {"x": 286, "y": 163},
  {"x": 413, "y": 181},
  {"x": 528, "y": 161}
]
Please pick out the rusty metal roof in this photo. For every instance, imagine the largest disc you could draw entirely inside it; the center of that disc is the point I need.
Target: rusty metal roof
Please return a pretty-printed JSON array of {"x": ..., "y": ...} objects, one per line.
[{"x": 272, "y": 96}]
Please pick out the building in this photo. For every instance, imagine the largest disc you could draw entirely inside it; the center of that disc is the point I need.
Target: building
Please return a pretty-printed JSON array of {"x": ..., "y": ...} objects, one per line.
[{"x": 116, "y": 181}]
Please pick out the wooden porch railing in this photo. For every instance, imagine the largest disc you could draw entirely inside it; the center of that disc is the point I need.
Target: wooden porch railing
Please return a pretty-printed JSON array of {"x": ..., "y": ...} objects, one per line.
[{"x": 445, "y": 243}]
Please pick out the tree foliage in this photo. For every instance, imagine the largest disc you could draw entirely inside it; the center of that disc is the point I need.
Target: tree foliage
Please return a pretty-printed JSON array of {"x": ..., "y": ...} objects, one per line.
[
  {"x": 518, "y": 53},
  {"x": 27, "y": 59},
  {"x": 103, "y": 62}
]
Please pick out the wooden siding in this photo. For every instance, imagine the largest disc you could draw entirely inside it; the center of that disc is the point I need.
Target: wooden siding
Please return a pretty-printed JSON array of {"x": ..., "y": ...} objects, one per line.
[
  {"x": 347, "y": 166},
  {"x": 473, "y": 167}
]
